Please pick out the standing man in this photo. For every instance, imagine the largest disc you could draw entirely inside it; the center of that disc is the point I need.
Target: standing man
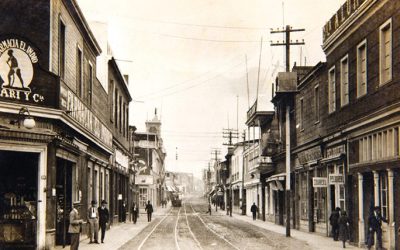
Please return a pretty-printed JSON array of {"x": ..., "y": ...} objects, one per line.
[
  {"x": 253, "y": 210},
  {"x": 103, "y": 219},
  {"x": 75, "y": 224},
  {"x": 334, "y": 221},
  {"x": 93, "y": 218},
  {"x": 135, "y": 212},
  {"x": 375, "y": 226},
  {"x": 149, "y": 209}
]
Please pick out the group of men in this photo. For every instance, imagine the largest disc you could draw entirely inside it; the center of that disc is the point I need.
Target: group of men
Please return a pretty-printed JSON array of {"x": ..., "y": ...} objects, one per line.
[{"x": 97, "y": 217}]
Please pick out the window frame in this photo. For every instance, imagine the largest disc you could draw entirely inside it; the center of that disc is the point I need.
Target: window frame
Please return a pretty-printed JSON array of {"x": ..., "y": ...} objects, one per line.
[
  {"x": 62, "y": 31},
  {"x": 344, "y": 101},
  {"x": 332, "y": 99},
  {"x": 301, "y": 114},
  {"x": 358, "y": 73},
  {"x": 79, "y": 70},
  {"x": 386, "y": 25},
  {"x": 90, "y": 83},
  {"x": 316, "y": 103}
]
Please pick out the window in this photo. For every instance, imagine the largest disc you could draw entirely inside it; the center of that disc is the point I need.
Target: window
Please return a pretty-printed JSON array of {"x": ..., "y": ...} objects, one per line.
[
  {"x": 320, "y": 198},
  {"x": 123, "y": 119},
  {"x": 79, "y": 73},
  {"x": 340, "y": 189},
  {"x": 90, "y": 91},
  {"x": 120, "y": 111},
  {"x": 303, "y": 196},
  {"x": 61, "y": 49},
  {"x": 116, "y": 108},
  {"x": 385, "y": 52},
  {"x": 126, "y": 119},
  {"x": 111, "y": 92},
  {"x": 301, "y": 114},
  {"x": 362, "y": 69},
  {"x": 344, "y": 81},
  {"x": 332, "y": 90},
  {"x": 316, "y": 103}
]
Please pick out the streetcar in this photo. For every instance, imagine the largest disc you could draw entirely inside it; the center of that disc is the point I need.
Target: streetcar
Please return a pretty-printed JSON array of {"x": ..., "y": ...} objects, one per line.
[{"x": 176, "y": 200}]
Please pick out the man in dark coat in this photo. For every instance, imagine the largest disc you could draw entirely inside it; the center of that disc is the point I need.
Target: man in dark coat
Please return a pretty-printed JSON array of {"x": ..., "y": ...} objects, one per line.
[
  {"x": 149, "y": 210},
  {"x": 344, "y": 224},
  {"x": 103, "y": 219},
  {"x": 253, "y": 210},
  {"x": 135, "y": 212},
  {"x": 375, "y": 226},
  {"x": 333, "y": 220}
]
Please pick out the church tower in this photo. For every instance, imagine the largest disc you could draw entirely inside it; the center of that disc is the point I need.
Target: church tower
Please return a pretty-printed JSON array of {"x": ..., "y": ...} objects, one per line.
[{"x": 154, "y": 125}]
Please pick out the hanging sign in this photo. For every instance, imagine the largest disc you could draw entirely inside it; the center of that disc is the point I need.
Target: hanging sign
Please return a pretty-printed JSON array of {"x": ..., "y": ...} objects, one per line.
[{"x": 320, "y": 182}]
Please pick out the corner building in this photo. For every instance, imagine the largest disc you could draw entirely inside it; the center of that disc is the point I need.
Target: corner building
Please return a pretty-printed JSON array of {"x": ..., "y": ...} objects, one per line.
[{"x": 48, "y": 73}]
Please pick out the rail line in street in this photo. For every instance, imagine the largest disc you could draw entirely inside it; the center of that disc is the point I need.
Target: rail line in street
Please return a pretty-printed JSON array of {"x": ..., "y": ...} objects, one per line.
[
  {"x": 176, "y": 230},
  {"x": 190, "y": 230}
]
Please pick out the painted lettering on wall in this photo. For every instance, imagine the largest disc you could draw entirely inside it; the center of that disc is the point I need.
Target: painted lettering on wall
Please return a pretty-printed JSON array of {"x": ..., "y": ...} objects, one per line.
[
  {"x": 345, "y": 11},
  {"x": 17, "y": 60}
]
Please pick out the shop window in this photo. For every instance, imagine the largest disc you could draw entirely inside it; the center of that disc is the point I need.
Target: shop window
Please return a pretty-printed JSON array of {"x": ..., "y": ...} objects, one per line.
[
  {"x": 362, "y": 69},
  {"x": 332, "y": 90},
  {"x": 340, "y": 193},
  {"x": 303, "y": 196},
  {"x": 320, "y": 199},
  {"x": 383, "y": 194},
  {"x": 385, "y": 52}
]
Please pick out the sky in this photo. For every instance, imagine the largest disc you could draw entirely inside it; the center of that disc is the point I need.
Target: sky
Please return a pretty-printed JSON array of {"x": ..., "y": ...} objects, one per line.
[{"x": 187, "y": 58}]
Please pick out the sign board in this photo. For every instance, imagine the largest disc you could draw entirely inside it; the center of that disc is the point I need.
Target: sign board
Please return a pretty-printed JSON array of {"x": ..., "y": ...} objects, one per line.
[
  {"x": 336, "y": 179},
  {"x": 320, "y": 182},
  {"x": 343, "y": 14},
  {"x": 22, "y": 80},
  {"x": 312, "y": 154},
  {"x": 145, "y": 180},
  {"x": 119, "y": 197},
  {"x": 335, "y": 151}
]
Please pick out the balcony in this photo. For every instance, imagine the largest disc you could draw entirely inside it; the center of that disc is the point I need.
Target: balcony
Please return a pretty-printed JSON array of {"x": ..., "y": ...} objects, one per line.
[
  {"x": 256, "y": 162},
  {"x": 258, "y": 113}
]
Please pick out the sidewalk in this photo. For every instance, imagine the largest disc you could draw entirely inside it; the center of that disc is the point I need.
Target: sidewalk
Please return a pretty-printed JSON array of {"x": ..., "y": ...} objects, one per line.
[
  {"x": 315, "y": 241},
  {"x": 120, "y": 234}
]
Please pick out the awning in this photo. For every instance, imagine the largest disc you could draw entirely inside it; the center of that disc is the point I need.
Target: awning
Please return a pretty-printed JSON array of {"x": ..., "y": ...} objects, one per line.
[{"x": 277, "y": 177}]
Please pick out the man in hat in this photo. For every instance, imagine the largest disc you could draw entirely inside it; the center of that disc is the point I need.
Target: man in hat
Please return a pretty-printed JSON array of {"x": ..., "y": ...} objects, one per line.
[
  {"x": 93, "y": 218},
  {"x": 103, "y": 219},
  {"x": 375, "y": 226},
  {"x": 75, "y": 224}
]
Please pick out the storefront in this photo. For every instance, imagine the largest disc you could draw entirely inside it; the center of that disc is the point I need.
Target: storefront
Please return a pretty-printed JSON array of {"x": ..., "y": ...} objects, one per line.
[{"x": 275, "y": 198}]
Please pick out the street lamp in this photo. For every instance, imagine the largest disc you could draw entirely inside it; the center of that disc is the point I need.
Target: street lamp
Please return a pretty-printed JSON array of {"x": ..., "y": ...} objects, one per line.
[{"x": 25, "y": 117}]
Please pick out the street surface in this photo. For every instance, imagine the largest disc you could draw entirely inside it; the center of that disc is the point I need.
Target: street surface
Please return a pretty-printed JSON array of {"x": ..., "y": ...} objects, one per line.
[{"x": 190, "y": 227}]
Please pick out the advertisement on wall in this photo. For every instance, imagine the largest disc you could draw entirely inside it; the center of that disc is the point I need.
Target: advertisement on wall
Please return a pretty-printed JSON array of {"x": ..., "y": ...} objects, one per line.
[{"x": 22, "y": 80}]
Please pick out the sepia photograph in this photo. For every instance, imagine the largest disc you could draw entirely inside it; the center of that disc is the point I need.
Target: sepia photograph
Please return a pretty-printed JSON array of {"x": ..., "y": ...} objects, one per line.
[{"x": 199, "y": 124}]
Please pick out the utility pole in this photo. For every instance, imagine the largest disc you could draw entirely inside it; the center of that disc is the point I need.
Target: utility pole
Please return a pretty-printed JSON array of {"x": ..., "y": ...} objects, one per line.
[
  {"x": 243, "y": 193},
  {"x": 287, "y": 43},
  {"x": 230, "y": 134}
]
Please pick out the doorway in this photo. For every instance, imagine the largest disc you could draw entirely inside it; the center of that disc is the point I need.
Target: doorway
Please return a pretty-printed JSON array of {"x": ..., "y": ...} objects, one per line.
[{"x": 64, "y": 200}]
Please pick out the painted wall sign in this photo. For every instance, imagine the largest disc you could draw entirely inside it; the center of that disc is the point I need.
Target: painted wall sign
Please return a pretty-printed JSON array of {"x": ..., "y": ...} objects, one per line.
[
  {"x": 83, "y": 115},
  {"x": 345, "y": 11},
  {"x": 21, "y": 78},
  {"x": 335, "y": 151},
  {"x": 320, "y": 182},
  {"x": 312, "y": 154}
]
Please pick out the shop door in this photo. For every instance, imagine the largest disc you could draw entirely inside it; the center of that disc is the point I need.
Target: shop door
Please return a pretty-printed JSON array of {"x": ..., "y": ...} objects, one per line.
[{"x": 64, "y": 201}]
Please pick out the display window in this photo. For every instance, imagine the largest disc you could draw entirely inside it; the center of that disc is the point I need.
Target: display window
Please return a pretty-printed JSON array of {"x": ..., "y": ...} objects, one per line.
[{"x": 18, "y": 199}]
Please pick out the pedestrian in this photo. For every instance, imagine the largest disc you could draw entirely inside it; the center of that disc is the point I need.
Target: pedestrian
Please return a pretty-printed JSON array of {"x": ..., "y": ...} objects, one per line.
[
  {"x": 135, "y": 212},
  {"x": 149, "y": 209},
  {"x": 75, "y": 226},
  {"x": 344, "y": 224},
  {"x": 104, "y": 216},
  {"x": 334, "y": 221},
  {"x": 93, "y": 218},
  {"x": 253, "y": 210},
  {"x": 375, "y": 226},
  {"x": 123, "y": 212}
]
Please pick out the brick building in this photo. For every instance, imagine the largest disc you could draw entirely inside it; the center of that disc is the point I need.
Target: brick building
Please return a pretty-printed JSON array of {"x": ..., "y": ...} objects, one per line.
[{"x": 56, "y": 142}]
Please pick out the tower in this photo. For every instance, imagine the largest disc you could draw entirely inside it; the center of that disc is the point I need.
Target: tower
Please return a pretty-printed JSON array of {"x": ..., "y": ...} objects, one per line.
[{"x": 154, "y": 125}]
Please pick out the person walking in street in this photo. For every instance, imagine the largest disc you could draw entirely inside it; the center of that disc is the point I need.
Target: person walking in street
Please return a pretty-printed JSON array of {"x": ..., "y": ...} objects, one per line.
[
  {"x": 93, "y": 218},
  {"x": 75, "y": 224},
  {"x": 375, "y": 226},
  {"x": 149, "y": 209},
  {"x": 344, "y": 224},
  {"x": 209, "y": 208},
  {"x": 253, "y": 210},
  {"x": 334, "y": 221},
  {"x": 134, "y": 212},
  {"x": 103, "y": 219}
]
